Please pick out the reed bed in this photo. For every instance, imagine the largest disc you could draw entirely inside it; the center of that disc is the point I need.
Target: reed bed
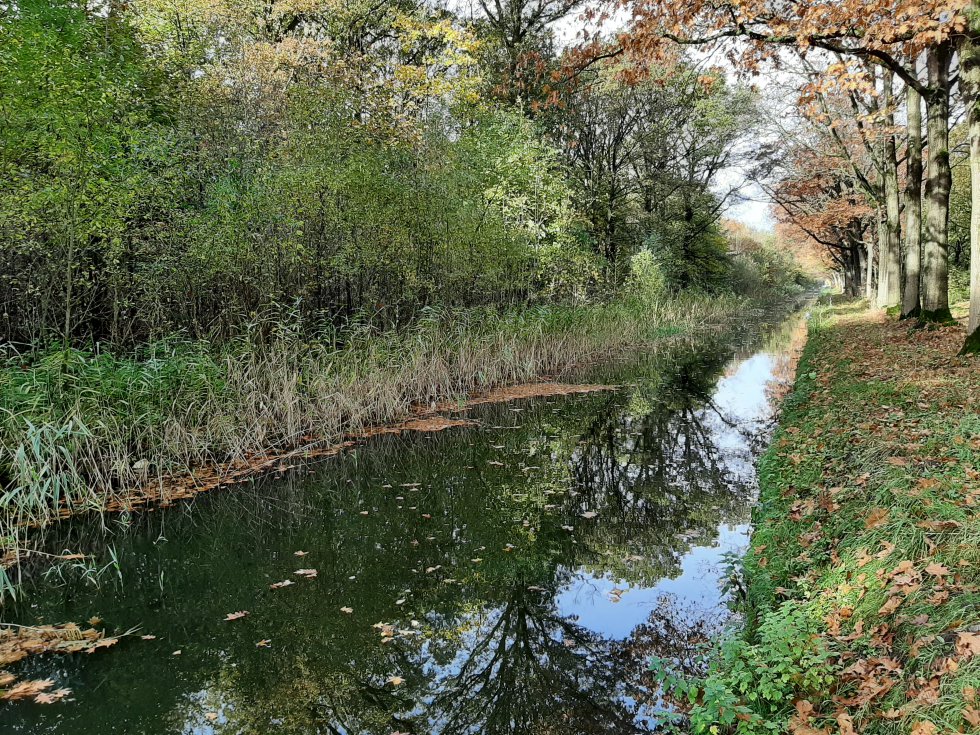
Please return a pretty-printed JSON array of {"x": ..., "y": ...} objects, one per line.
[{"x": 80, "y": 427}]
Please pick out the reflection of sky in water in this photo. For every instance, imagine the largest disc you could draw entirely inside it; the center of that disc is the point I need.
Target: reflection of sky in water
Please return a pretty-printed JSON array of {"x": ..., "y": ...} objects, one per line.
[
  {"x": 740, "y": 405},
  {"x": 553, "y": 633}
]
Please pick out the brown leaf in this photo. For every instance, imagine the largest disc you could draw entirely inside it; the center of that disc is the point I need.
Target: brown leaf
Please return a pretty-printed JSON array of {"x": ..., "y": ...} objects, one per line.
[
  {"x": 937, "y": 570},
  {"x": 26, "y": 689},
  {"x": 890, "y": 606},
  {"x": 938, "y": 526},
  {"x": 877, "y": 517},
  {"x": 972, "y": 716},
  {"x": 968, "y": 645},
  {"x": 923, "y": 728}
]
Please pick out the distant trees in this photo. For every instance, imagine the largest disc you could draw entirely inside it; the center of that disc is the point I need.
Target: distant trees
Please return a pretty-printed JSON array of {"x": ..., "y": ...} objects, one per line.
[{"x": 647, "y": 154}]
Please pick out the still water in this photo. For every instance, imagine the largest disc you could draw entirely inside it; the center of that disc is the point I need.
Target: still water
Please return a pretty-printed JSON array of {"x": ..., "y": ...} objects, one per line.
[{"x": 512, "y": 577}]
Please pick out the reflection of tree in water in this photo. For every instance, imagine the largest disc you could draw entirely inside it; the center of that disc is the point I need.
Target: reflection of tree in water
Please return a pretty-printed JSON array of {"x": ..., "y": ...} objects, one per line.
[
  {"x": 677, "y": 635},
  {"x": 496, "y": 657},
  {"x": 656, "y": 472},
  {"x": 527, "y": 669}
]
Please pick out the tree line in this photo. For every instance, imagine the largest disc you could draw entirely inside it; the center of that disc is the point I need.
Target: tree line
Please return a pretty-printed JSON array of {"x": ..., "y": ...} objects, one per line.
[
  {"x": 187, "y": 166},
  {"x": 867, "y": 172}
]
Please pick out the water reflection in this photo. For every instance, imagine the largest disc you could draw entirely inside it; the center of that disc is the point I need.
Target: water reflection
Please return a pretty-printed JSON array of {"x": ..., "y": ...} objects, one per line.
[{"x": 506, "y": 579}]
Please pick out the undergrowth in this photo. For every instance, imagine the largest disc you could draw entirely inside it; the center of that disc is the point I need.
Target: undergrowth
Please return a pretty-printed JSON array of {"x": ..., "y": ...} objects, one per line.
[{"x": 862, "y": 587}]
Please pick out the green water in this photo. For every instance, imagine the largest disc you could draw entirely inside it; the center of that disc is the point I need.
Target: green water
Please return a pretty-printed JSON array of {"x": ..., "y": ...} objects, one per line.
[{"x": 512, "y": 608}]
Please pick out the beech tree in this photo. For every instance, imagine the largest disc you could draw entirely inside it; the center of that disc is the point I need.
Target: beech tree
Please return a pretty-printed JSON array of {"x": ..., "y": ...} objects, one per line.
[{"x": 892, "y": 34}]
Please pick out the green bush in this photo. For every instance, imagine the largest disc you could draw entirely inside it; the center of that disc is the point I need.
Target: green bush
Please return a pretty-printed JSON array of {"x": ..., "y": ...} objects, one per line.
[{"x": 750, "y": 686}]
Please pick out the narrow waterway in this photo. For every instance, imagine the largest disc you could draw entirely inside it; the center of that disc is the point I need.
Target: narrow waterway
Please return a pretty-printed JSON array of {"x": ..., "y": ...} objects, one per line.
[{"x": 511, "y": 577}]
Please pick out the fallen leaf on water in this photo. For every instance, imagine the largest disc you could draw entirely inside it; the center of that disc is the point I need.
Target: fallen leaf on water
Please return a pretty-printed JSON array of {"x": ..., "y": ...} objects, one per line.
[
  {"x": 176, "y": 653},
  {"x": 568, "y": 528},
  {"x": 51, "y": 697},
  {"x": 308, "y": 573},
  {"x": 395, "y": 680},
  {"x": 148, "y": 637},
  {"x": 589, "y": 514},
  {"x": 347, "y": 610},
  {"x": 211, "y": 716},
  {"x": 94, "y": 620},
  {"x": 300, "y": 553},
  {"x": 27, "y": 689},
  {"x": 264, "y": 643},
  {"x": 280, "y": 585},
  {"x": 236, "y": 615}
]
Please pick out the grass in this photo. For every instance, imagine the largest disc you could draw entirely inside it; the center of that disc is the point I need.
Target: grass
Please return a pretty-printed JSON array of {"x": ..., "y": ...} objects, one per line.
[
  {"x": 79, "y": 428},
  {"x": 862, "y": 587}
]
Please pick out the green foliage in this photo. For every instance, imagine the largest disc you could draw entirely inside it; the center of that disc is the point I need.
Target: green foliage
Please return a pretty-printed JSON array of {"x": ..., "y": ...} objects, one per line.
[
  {"x": 766, "y": 272},
  {"x": 750, "y": 687}
]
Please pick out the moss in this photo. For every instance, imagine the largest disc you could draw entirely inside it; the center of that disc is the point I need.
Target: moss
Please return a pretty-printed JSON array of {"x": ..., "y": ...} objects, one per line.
[
  {"x": 971, "y": 346},
  {"x": 937, "y": 316}
]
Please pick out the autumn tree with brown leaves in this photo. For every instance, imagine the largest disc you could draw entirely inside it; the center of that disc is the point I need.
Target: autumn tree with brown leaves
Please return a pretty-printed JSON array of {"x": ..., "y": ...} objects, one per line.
[{"x": 896, "y": 38}]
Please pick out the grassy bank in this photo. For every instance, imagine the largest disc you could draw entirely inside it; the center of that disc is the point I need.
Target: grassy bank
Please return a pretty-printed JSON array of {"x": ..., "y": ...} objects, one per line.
[
  {"x": 861, "y": 587},
  {"x": 78, "y": 428}
]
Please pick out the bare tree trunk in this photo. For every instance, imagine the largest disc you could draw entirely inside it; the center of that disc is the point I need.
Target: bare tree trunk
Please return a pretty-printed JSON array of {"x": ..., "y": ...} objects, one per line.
[
  {"x": 913, "y": 207},
  {"x": 869, "y": 279},
  {"x": 890, "y": 272},
  {"x": 935, "y": 251},
  {"x": 970, "y": 86}
]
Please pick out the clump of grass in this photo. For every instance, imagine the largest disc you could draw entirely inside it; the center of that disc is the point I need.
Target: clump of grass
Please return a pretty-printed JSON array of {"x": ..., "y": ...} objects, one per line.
[
  {"x": 866, "y": 545},
  {"x": 79, "y": 427}
]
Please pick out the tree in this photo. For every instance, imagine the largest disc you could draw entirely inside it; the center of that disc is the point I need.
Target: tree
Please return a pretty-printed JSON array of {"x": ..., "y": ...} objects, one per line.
[
  {"x": 888, "y": 33},
  {"x": 970, "y": 82}
]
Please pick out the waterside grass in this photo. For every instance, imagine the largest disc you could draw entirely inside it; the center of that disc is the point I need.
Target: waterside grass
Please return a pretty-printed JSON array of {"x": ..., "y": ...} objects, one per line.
[
  {"x": 862, "y": 586},
  {"x": 80, "y": 427}
]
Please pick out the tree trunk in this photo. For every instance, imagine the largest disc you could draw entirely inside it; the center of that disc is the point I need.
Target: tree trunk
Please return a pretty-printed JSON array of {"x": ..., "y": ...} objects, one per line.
[
  {"x": 869, "y": 262},
  {"x": 935, "y": 250},
  {"x": 913, "y": 207},
  {"x": 970, "y": 84},
  {"x": 890, "y": 271}
]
